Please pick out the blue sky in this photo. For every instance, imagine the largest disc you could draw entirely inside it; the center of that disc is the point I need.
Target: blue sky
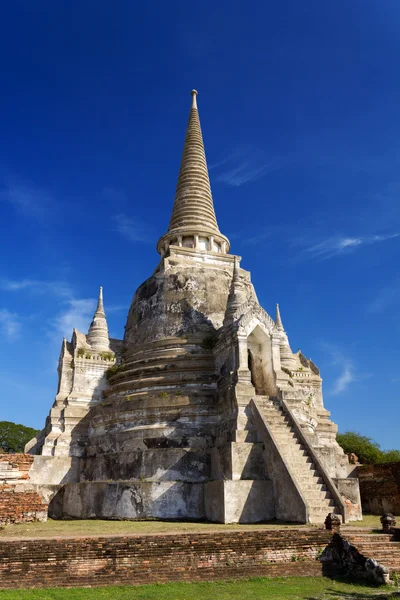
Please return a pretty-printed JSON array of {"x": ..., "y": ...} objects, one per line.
[{"x": 299, "y": 104}]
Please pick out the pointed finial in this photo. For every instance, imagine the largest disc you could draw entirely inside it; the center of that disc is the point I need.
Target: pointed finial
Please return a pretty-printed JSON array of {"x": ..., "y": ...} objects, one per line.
[
  {"x": 236, "y": 263},
  {"x": 100, "y": 307},
  {"x": 194, "y": 99},
  {"x": 97, "y": 336},
  {"x": 278, "y": 320},
  {"x": 193, "y": 214}
]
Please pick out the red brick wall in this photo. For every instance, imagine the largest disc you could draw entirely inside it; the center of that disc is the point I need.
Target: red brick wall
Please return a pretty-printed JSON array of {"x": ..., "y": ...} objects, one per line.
[
  {"x": 380, "y": 488},
  {"x": 15, "y": 467},
  {"x": 19, "y": 502},
  {"x": 20, "y": 506},
  {"x": 159, "y": 558}
]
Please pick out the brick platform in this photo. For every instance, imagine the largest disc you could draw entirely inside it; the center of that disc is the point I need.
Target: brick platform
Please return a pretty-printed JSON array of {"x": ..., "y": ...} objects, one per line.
[
  {"x": 133, "y": 560},
  {"x": 159, "y": 558}
]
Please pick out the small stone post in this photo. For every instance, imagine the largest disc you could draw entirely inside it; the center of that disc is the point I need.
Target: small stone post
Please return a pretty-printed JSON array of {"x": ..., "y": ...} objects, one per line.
[
  {"x": 388, "y": 522},
  {"x": 333, "y": 522}
]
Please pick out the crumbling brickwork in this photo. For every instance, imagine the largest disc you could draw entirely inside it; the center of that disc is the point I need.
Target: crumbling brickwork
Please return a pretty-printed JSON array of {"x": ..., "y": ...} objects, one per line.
[
  {"x": 19, "y": 502},
  {"x": 380, "y": 488},
  {"x": 20, "y": 505},
  {"x": 15, "y": 467}
]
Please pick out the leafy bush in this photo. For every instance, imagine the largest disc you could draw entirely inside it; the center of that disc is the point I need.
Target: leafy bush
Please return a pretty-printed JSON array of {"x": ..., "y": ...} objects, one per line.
[
  {"x": 113, "y": 370},
  {"x": 107, "y": 355},
  {"x": 368, "y": 451}
]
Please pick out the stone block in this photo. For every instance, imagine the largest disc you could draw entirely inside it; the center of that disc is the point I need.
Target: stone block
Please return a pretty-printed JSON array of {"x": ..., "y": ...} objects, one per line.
[
  {"x": 242, "y": 501},
  {"x": 132, "y": 500}
]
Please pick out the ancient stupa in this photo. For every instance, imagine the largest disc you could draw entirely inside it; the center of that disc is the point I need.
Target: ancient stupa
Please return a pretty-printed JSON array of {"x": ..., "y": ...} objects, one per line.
[{"x": 202, "y": 411}]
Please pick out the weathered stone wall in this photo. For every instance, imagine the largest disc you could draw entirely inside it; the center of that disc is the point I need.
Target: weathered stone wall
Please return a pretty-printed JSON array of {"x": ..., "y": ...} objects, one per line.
[
  {"x": 380, "y": 488},
  {"x": 129, "y": 500},
  {"x": 162, "y": 558},
  {"x": 18, "y": 503}
]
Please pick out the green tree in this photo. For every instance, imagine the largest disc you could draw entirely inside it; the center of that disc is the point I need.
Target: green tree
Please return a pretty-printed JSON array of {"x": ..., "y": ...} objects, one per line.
[
  {"x": 13, "y": 436},
  {"x": 368, "y": 451},
  {"x": 391, "y": 456}
]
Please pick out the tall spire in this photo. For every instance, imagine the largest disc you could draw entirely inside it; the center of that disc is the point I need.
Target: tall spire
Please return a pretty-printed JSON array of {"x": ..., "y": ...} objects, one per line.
[
  {"x": 193, "y": 222},
  {"x": 287, "y": 358},
  {"x": 278, "y": 320},
  {"x": 97, "y": 336},
  {"x": 237, "y": 294}
]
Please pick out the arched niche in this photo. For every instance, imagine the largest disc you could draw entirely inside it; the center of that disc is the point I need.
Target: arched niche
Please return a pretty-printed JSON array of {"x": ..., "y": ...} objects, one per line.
[{"x": 259, "y": 357}]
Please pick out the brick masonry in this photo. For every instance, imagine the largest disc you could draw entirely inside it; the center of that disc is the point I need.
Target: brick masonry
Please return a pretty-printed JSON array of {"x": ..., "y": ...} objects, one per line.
[
  {"x": 19, "y": 502},
  {"x": 380, "y": 488},
  {"x": 133, "y": 560},
  {"x": 15, "y": 467},
  {"x": 159, "y": 558}
]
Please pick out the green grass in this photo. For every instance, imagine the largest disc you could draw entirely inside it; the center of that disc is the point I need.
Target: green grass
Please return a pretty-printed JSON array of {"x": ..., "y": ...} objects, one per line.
[
  {"x": 293, "y": 588},
  {"x": 53, "y": 528},
  {"x": 98, "y": 527},
  {"x": 369, "y": 521}
]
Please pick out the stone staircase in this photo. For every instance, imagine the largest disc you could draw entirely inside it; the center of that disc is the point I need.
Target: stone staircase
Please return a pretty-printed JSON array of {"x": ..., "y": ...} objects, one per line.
[{"x": 309, "y": 479}]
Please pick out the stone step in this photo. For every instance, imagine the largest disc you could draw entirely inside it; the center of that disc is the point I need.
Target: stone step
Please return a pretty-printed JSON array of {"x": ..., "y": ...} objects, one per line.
[
  {"x": 302, "y": 480},
  {"x": 317, "y": 495},
  {"x": 300, "y": 463},
  {"x": 313, "y": 486},
  {"x": 324, "y": 510},
  {"x": 293, "y": 450},
  {"x": 281, "y": 428}
]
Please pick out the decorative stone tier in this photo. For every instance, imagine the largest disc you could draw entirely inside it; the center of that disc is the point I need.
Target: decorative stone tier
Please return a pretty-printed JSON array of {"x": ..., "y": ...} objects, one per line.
[
  {"x": 193, "y": 223},
  {"x": 164, "y": 394}
]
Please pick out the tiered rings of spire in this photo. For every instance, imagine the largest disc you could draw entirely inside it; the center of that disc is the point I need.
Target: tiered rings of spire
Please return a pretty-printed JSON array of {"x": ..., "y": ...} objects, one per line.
[
  {"x": 97, "y": 336},
  {"x": 193, "y": 223}
]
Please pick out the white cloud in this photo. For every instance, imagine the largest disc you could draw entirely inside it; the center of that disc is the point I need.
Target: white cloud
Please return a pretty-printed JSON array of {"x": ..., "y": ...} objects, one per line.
[
  {"x": 10, "y": 324},
  {"x": 345, "y": 378},
  {"x": 132, "y": 230},
  {"x": 338, "y": 245},
  {"x": 58, "y": 288},
  {"x": 247, "y": 164},
  {"x": 346, "y": 371},
  {"x": 385, "y": 298},
  {"x": 77, "y": 314},
  {"x": 30, "y": 202}
]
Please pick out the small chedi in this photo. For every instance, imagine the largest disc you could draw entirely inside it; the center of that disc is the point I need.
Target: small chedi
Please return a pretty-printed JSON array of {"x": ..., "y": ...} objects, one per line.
[{"x": 202, "y": 410}]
